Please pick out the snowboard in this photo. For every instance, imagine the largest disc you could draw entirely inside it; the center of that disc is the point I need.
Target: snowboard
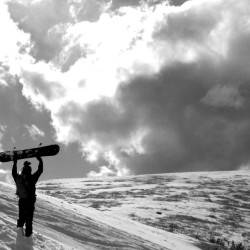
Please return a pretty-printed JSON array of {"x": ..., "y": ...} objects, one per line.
[{"x": 29, "y": 153}]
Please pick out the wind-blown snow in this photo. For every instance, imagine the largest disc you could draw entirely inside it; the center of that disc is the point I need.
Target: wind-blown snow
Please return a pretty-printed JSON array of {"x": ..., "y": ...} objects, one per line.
[{"x": 59, "y": 224}]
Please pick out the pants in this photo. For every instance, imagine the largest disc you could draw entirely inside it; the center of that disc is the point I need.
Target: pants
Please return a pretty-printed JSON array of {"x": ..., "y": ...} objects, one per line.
[{"x": 26, "y": 212}]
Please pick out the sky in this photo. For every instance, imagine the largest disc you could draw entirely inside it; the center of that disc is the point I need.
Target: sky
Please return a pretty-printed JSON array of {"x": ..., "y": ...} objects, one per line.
[{"x": 126, "y": 87}]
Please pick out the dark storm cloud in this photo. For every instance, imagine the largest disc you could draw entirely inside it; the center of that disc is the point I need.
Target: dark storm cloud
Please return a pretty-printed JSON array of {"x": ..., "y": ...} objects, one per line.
[
  {"x": 124, "y": 3},
  {"x": 186, "y": 134},
  {"x": 99, "y": 120},
  {"x": 191, "y": 27},
  {"x": 177, "y": 2},
  {"x": 17, "y": 115},
  {"x": 116, "y": 4}
]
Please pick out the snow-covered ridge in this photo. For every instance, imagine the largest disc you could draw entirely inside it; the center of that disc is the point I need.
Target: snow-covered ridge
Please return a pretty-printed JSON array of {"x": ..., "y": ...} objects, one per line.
[{"x": 62, "y": 225}]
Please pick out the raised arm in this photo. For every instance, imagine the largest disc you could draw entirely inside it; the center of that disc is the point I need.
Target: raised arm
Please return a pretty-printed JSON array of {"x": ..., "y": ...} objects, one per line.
[
  {"x": 39, "y": 171},
  {"x": 14, "y": 168}
]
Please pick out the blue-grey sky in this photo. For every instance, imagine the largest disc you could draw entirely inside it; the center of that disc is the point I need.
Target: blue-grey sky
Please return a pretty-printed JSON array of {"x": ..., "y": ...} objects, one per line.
[{"x": 126, "y": 87}]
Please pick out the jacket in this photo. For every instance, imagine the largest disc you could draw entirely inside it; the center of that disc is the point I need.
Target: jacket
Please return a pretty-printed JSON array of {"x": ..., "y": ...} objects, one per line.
[{"x": 26, "y": 185}]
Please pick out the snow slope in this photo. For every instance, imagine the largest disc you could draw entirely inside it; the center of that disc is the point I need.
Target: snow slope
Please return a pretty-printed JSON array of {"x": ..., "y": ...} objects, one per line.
[
  {"x": 59, "y": 224},
  {"x": 201, "y": 205}
]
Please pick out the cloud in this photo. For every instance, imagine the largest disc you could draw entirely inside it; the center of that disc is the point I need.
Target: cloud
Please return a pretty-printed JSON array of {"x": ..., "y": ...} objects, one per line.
[
  {"x": 5, "y": 176},
  {"x": 223, "y": 96},
  {"x": 14, "y": 43},
  {"x": 34, "y": 132},
  {"x": 114, "y": 168},
  {"x": 245, "y": 167},
  {"x": 156, "y": 86},
  {"x": 88, "y": 10},
  {"x": 104, "y": 172},
  {"x": 88, "y": 97},
  {"x": 17, "y": 114},
  {"x": 37, "y": 18},
  {"x": 2, "y": 131},
  {"x": 44, "y": 82}
]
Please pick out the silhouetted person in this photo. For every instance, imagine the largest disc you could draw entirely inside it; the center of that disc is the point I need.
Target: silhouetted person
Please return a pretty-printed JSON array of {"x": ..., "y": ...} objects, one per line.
[{"x": 26, "y": 191}]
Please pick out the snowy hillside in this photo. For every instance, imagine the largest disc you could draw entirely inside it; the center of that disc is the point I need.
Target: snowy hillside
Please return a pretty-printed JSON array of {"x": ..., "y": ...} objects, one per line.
[
  {"x": 202, "y": 205},
  {"x": 60, "y": 224}
]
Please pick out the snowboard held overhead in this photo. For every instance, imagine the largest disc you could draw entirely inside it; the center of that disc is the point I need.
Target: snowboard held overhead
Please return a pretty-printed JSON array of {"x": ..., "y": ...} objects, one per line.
[{"x": 49, "y": 150}]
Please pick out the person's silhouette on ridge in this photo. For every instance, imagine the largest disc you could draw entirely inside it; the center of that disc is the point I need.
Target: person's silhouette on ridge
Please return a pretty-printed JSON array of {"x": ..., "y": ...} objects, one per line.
[{"x": 26, "y": 191}]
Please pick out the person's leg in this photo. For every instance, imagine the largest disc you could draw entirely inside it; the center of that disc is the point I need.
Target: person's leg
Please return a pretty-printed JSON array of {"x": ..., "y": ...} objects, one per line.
[
  {"x": 29, "y": 217},
  {"x": 21, "y": 213}
]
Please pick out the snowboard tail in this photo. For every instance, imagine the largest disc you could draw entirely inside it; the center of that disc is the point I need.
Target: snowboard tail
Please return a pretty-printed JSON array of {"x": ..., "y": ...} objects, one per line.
[{"x": 29, "y": 153}]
